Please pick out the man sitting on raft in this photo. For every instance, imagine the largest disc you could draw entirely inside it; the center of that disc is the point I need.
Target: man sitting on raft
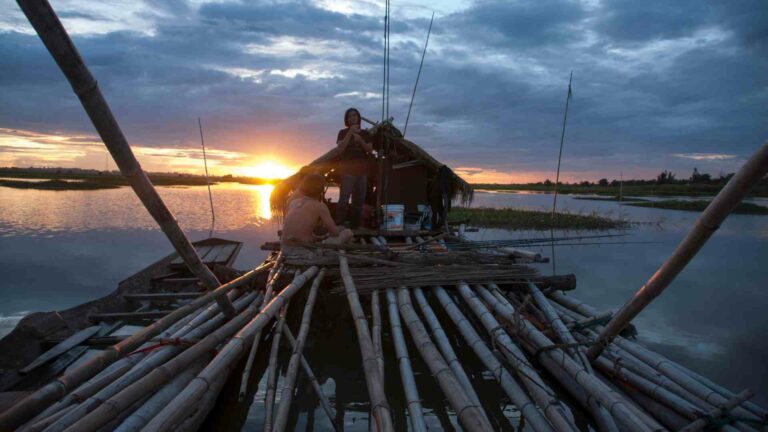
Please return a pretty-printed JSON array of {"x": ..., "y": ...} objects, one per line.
[{"x": 305, "y": 211}]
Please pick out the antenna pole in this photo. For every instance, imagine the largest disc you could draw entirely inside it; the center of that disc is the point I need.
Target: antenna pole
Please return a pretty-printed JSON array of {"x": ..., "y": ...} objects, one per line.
[
  {"x": 559, "y": 159},
  {"x": 207, "y": 179},
  {"x": 423, "y": 54}
]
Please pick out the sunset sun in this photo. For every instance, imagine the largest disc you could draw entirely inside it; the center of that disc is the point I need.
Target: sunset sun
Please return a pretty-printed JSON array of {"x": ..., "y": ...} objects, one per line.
[{"x": 267, "y": 170}]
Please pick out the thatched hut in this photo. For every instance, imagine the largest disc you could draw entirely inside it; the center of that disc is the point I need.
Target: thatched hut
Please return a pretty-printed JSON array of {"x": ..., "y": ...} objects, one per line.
[{"x": 412, "y": 176}]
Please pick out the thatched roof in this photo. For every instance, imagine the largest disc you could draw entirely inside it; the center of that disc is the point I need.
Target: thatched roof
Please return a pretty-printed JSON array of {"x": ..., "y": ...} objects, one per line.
[{"x": 326, "y": 163}]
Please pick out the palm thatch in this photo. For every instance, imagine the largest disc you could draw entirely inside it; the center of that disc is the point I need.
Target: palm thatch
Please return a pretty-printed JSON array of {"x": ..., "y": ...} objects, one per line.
[{"x": 402, "y": 150}]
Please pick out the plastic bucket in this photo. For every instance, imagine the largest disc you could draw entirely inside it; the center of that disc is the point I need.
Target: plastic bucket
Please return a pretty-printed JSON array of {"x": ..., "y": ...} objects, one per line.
[{"x": 393, "y": 217}]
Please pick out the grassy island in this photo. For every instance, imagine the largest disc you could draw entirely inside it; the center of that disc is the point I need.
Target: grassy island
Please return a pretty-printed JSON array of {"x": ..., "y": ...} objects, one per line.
[
  {"x": 698, "y": 206},
  {"x": 532, "y": 219},
  {"x": 58, "y": 185}
]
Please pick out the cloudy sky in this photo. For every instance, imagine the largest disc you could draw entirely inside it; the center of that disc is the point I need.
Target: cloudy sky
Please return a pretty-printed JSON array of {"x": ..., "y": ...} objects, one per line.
[{"x": 657, "y": 84}]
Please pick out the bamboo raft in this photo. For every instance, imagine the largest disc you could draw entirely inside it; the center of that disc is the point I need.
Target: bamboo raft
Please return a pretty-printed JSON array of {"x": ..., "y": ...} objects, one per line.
[{"x": 473, "y": 337}]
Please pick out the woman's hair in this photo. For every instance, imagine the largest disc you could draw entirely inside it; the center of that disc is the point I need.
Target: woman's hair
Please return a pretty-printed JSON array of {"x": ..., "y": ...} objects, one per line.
[
  {"x": 347, "y": 112},
  {"x": 313, "y": 186}
]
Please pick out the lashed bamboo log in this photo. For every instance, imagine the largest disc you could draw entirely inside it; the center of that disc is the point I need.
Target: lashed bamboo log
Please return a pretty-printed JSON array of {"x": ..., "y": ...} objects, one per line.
[
  {"x": 721, "y": 206},
  {"x": 39, "y": 400},
  {"x": 701, "y": 423},
  {"x": 136, "y": 421},
  {"x": 379, "y": 406},
  {"x": 57, "y": 41},
  {"x": 167, "y": 371},
  {"x": 376, "y": 331},
  {"x": 554, "y": 409},
  {"x": 413, "y": 402},
  {"x": 604, "y": 395},
  {"x": 658, "y": 362},
  {"x": 234, "y": 348},
  {"x": 469, "y": 415},
  {"x": 145, "y": 366},
  {"x": 603, "y": 419},
  {"x": 516, "y": 393},
  {"x": 286, "y": 395},
  {"x": 272, "y": 368},
  {"x": 645, "y": 416},
  {"x": 274, "y": 276},
  {"x": 445, "y": 346},
  {"x": 312, "y": 379}
]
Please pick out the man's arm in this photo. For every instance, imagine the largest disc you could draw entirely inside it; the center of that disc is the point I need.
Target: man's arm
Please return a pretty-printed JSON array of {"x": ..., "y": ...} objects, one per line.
[
  {"x": 344, "y": 142},
  {"x": 327, "y": 220},
  {"x": 364, "y": 142}
]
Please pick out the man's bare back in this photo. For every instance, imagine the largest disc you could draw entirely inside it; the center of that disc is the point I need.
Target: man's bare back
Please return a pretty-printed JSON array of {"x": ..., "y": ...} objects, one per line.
[{"x": 302, "y": 217}]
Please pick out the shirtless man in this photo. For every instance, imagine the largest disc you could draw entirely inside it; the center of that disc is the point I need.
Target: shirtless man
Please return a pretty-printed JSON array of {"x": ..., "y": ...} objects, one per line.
[{"x": 305, "y": 210}]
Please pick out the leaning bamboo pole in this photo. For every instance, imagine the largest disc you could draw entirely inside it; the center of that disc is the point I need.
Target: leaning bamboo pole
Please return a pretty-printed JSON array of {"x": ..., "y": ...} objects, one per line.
[
  {"x": 525, "y": 330},
  {"x": 554, "y": 409},
  {"x": 286, "y": 395},
  {"x": 274, "y": 276},
  {"x": 312, "y": 379},
  {"x": 144, "y": 367},
  {"x": 441, "y": 338},
  {"x": 516, "y": 393},
  {"x": 602, "y": 417},
  {"x": 413, "y": 402},
  {"x": 42, "y": 17},
  {"x": 37, "y": 401},
  {"x": 710, "y": 220},
  {"x": 379, "y": 406},
  {"x": 245, "y": 325},
  {"x": 470, "y": 416},
  {"x": 272, "y": 368}
]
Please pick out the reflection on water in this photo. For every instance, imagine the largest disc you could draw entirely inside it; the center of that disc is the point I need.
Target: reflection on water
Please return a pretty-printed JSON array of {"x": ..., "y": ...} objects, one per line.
[
  {"x": 40, "y": 212},
  {"x": 61, "y": 248}
]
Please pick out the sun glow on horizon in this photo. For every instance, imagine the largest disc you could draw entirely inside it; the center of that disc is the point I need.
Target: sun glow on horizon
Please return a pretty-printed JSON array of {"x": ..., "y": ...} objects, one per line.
[{"x": 269, "y": 170}]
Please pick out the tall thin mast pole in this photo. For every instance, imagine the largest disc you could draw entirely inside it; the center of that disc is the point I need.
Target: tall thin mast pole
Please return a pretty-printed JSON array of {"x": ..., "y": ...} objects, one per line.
[
  {"x": 57, "y": 41},
  {"x": 423, "y": 54},
  {"x": 557, "y": 177},
  {"x": 207, "y": 179}
]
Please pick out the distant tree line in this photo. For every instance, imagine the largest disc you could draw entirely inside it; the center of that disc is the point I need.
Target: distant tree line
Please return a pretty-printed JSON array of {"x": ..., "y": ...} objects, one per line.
[{"x": 664, "y": 177}]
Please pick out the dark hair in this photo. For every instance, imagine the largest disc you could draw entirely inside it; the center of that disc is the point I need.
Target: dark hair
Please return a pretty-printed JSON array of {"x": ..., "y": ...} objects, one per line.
[
  {"x": 347, "y": 112},
  {"x": 313, "y": 186}
]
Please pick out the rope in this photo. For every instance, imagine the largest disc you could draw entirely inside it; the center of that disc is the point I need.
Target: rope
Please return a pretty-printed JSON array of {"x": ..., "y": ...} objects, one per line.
[{"x": 207, "y": 180}]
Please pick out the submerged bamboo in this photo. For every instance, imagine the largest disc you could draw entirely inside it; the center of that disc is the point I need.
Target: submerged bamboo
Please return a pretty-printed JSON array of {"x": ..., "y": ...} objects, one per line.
[
  {"x": 376, "y": 331},
  {"x": 312, "y": 379},
  {"x": 286, "y": 396},
  {"x": 42, "y": 17},
  {"x": 721, "y": 206},
  {"x": 404, "y": 363},
  {"x": 379, "y": 406},
  {"x": 37, "y": 401},
  {"x": 516, "y": 393},
  {"x": 470, "y": 416},
  {"x": 272, "y": 369}
]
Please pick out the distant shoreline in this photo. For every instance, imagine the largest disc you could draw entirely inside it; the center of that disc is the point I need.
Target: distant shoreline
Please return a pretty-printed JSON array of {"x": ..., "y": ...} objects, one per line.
[{"x": 687, "y": 189}]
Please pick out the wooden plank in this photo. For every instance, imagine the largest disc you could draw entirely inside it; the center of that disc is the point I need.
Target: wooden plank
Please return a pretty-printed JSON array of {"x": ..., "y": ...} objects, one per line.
[
  {"x": 223, "y": 254},
  {"x": 201, "y": 252},
  {"x": 129, "y": 316},
  {"x": 61, "y": 348}
]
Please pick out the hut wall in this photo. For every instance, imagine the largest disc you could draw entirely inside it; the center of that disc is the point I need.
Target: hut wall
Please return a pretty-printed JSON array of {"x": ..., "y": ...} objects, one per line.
[{"x": 408, "y": 186}]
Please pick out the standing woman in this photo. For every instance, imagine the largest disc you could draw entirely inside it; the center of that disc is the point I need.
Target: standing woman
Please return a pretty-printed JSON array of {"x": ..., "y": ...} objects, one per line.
[{"x": 355, "y": 145}]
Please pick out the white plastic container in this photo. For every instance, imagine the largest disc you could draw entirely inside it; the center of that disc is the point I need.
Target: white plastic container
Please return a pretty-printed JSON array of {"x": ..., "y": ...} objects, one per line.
[{"x": 393, "y": 217}]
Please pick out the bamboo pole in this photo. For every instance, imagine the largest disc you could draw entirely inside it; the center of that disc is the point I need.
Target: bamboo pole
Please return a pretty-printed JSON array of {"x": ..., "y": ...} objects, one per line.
[
  {"x": 286, "y": 395},
  {"x": 39, "y": 400},
  {"x": 721, "y": 206},
  {"x": 554, "y": 409},
  {"x": 136, "y": 421},
  {"x": 701, "y": 423},
  {"x": 379, "y": 406},
  {"x": 604, "y": 395},
  {"x": 376, "y": 331},
  {"x": 55, "y": 37},
  {"x": 144, "y": 367},
  {"x": 272, "y": 368},
  {"x": 445, "y": 346},
  {"x": 602, "y": 417},
  {"x": 516, "y": 393},
  {"x": 413, "y": 402},
  {"x": 313, "y": 380},
  {"x": 274, "y": 276},
  {"x": 470, "y": 416},
  {"x": 245, "y": 325}
]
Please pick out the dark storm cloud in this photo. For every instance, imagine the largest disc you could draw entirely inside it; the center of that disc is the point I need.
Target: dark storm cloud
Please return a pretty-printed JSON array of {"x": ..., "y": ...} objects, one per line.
[{"x": 651, "y": 79}]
